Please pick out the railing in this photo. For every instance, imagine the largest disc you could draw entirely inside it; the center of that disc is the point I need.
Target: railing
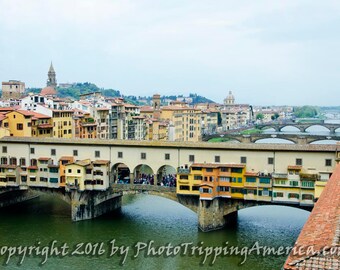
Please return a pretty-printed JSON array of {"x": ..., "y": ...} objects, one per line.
[
  {"x": 183, "y": 170},
  {"x": 280, "y": 175},
  {"x": 141, "y": 188},
  {"x": 309, "y": 176}
]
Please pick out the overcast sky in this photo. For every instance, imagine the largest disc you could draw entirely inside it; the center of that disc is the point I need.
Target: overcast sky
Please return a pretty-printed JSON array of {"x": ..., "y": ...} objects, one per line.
[{"x": 266, "y": 52}]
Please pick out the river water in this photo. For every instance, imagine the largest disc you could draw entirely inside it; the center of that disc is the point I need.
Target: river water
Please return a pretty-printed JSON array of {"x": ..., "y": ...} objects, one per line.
[{"x": 144, "y": 218}]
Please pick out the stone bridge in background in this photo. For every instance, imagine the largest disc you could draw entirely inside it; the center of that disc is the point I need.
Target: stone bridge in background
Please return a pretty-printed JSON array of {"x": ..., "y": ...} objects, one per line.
[
  {"x": 212, "y": 215},
  {"x": 301, "y": 126},
  {"x": 295, "y": 138}
]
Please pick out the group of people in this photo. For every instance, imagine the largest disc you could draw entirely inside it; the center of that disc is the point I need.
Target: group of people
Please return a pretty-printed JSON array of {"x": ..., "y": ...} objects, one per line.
[
  {"x": 144, "y": 179},
  {"x": 169, "y": 180}
]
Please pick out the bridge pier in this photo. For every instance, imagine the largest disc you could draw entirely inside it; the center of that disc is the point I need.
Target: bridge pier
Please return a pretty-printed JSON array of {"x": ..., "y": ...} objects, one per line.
[
  {"x": 215, "y": 214},
  {"x": 92, "y": 204}
]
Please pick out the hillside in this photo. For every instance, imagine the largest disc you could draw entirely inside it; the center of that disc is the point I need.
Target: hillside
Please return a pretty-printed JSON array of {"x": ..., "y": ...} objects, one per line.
[{"x": 78, "y": 89}]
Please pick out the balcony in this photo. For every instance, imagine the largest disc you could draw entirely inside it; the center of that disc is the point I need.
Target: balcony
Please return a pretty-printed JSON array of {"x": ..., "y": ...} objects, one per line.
[
  {"x": 309, "y": 176},
  {"x": 183, "y": 171},
  {"x": 280, "y": 175}
]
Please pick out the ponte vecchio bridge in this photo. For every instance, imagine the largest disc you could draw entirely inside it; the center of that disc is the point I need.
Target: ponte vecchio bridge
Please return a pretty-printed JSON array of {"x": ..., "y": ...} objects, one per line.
[{"x": 29, "y": 165}]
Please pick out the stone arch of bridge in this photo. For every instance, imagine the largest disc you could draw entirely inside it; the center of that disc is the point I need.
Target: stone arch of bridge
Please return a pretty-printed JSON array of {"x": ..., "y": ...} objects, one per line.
[
  {"x": 165, "y": 175},
  {"x": 143, "y": 174},
  {"x": 246, "y": 205},
  {"x": 120, "y": 173},
  {"x": 263, "y": 128},
  {"x": 280, "y": 140},
  {"x": 316, "y": 125},
  {"x": 280, "y": 129},
  {"x": 323, "y": 141}
]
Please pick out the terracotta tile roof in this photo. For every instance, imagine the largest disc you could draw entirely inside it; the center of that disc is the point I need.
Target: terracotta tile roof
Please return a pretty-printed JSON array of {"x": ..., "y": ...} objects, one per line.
[
  {"x": 44, "y": 158},
  {"x": 32, "y": 167},
  {"x": 321, "y": 230},
  {"x": 6, "y": 109},
  {"x": 66, "y": 158},
  {"x": 45, "y": 126},
  {"x": 101, "y": 162},
  {"x": 7, "y": 166},
  {"x": 39, "y": 115},
  {"x": 251, "y": 174}
]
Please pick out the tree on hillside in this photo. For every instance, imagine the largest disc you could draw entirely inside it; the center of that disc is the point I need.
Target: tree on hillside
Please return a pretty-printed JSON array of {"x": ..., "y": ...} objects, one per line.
[{"x": 259, "y": 116}]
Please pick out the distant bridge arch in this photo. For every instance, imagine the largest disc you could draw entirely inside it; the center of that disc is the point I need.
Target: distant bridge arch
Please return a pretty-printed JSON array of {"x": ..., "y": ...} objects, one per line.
[
  {"x": 318, "y": 126},
  {"x": 277, "y": 140}
]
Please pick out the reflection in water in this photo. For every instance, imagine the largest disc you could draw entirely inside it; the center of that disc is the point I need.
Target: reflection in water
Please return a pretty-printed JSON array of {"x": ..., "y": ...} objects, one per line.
[{"x": 144, "y": 218}]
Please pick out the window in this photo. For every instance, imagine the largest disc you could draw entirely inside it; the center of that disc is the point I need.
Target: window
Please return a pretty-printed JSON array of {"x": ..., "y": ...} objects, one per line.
[
  {"x": 167, "y": 156},
  {"x": 4, "y": 149},
  {"x": 225, "y": 179},
  {"x": 278, "y": 194},
  {"x": 209, "y": 169},
  {"x": 78, "y": 171},
  {"x": 236, "y": 170},
  {"x": 54, "y": 170},
  {"x": 293, "y": 196},
  {"x": 143, "y": 155},
  {"x": 307, "y": 197},
  {"x": 34, "y": 162},
  {"x": 191, "y": 158},
  {"x": 6, "y": 125},
  {"x": 69, "y": 170},
  {"x": 22, "y": 162},
  {"x": 217, "y": 159},
  {"x": 239, "y": 180},
  {"x": 97, "y": 154},
  {"x": 198, "y": 177},
  {"x": 4, "y": 161},
  {"x": 32, "y": 150},
  {"x": 20, "y": 126},
  {"x": 184, "y": 187},
  {"x": 264, "y": 180},
  {"x": 328, "y": 162},
  {"x": 13, "y": 161},
  {"x": 308, "y": 184},
  {"x": 75, "y": 153},
  {"x": 195, "y": 188},
  {"x": 183, "y": 177},
  {"x": 243, "y": 160},
  {"x": 53, "y": 180},
  {"x": 251, "y": 179},
  {"x": 120, "y": 154},
  {"x": 298, "y": 162},
  {"x": 270, "y": 161},
  {"x": 53, "y": 152},
  {"x": 294, "y": 183}
]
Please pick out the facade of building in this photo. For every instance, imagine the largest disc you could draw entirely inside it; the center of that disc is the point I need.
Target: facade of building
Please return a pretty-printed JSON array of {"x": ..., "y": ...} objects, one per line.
[{"x": 13, "y": 89}]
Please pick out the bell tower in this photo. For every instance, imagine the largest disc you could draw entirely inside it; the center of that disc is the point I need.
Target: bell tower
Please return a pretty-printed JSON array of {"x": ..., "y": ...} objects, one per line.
[{"x": 51, "y": 78}]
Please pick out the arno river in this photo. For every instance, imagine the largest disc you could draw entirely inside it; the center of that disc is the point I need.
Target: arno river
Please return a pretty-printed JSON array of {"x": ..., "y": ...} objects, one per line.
[
  {"x": 145, "y": 224},
  {"x": 145, "y": 218}
]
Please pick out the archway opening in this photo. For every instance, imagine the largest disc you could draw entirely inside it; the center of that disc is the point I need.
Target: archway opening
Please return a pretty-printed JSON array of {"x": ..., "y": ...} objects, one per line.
[
  {"x": 120, "y": 173},
  {"x": 325, "y": 142},
  {"x": 143, "y": 174},
  {"x": 166, "y": 176},
  {"x": 274, "y": 140},
  {"x": 290, "y": 129},
  {"x": 317, "y": 129}
]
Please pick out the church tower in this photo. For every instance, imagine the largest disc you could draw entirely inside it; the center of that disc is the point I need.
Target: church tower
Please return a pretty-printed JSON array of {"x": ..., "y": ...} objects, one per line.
[{"x": 51, "y": 79}]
